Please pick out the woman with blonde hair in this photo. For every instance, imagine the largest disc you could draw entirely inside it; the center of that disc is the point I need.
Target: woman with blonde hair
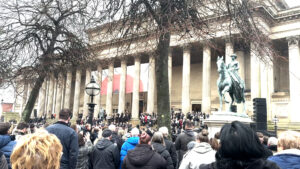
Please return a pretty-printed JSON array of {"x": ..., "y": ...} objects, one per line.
[
  {"x": 159, "y": 146},
  {"x": 288, "y": 155},
  {"x": 36, "y": 151}
]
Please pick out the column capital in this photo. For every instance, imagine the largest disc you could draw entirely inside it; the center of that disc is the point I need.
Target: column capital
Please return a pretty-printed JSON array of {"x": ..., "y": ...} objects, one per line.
[
  {"x": 228, "y": 39},
  {"x": 293, "y": 40},
  {"x": 186, "y": 46}
]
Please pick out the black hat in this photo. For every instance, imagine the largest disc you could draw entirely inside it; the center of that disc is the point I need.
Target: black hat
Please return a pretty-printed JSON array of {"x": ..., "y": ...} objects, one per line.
[
  {"x": 149, "y": 132},
  {"x": 106, "y": 133},
  {"x": 4, "y": 127}
]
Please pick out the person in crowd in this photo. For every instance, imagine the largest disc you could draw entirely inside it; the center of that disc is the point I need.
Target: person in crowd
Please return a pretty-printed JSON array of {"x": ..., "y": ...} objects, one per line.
[
  {"x": 261, "y": 137},
  {"x": 7, "y": 142},
  {"x": 38, "y": 150},
  {"x": 214, "y": 143},
  {"x": 240, "y": 148},
  {"x": 115, "y": 137},
  {"x": 169, "y": 145},
  {"x": 288, "y": 156},
  {"x": 106, "y": 154},
  {"x": 94, "y": 134},
  {"x": 3, "y": 162},
  {"x": 21, "y": 130},
  {"x": 184, "y": 138},
  {"x": 142, "y": 156},
  {"x": 272, "y": 144},
  {"x": 32, "y": 128},
  {"x": 202, "y": 153},
  {"x": 85, "y": 149},
  {"x": 68, "y": 138},
  {"x": 74, "y": 127},
  {"x": 129, "y": 144},
  {"x": 159, "y": 146}
]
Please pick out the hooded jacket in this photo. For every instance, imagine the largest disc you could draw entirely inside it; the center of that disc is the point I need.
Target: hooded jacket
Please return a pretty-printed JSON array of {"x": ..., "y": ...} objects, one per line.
[
  {"x": 7, "y": 146},
  {"x": 128, "y": 145},
  {"x": 202, "y": 153},
  {"x": 287, "y": 159},
  {"x": 171, "y": 149},
  {"x": 181, "y": 142},
  {"x": 105, "y": 155},
  {"x": 143, "y": 157},
  {"x": 162, "y": 150}
]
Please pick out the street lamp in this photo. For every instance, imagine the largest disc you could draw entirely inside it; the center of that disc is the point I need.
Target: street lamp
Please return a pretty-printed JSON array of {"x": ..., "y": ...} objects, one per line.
[
  {"x": 275, "y": 120},
  {"x": 92, "y": 89}
]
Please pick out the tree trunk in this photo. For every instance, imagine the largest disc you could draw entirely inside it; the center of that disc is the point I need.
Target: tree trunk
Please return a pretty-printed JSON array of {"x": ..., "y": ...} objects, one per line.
[
  {"x": 32, "y": 98},
  {"x": 162, "y": 83}
]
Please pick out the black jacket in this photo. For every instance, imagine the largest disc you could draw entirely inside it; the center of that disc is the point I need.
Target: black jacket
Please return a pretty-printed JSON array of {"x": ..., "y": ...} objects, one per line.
[
  {"x": 234, "y": 164},
  {"x": 105, "y": 155},
  {"x": 161, "y": 149},
  {"x": 181, "y": 142},
  {"x": 117, "y": 139},
  {"x": 143, "y": 157},
  {"x": 69, "y": 140},
  {"x": 171, "y": 149}
]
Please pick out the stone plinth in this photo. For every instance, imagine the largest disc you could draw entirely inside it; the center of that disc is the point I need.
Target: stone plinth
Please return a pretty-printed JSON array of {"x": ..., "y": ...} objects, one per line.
[{"x": 218, "y": 119}]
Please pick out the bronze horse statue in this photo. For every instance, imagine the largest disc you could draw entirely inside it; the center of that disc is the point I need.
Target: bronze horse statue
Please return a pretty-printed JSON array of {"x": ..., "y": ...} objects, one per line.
[{"x": 226, "y": 83}]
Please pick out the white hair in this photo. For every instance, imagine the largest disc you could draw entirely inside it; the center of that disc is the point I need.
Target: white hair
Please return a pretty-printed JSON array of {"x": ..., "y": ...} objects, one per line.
[
  {"x": 164, "y": 131},
  {"x": 272, "y": 141},
  {"x": 112, "y": 127},
  {"x": 135, "y": 132}
]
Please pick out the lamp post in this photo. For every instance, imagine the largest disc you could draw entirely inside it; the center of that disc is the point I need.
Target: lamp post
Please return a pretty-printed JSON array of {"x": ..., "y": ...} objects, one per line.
[
  {"x": 275, "y": 120},
  {"x": 92, "y": 89}
]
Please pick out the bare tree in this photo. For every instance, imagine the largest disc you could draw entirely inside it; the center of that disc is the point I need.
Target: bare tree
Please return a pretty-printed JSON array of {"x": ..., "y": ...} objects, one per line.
[
  {"x": 190, "y": 19},
  {"x": 42, "y": 37}
]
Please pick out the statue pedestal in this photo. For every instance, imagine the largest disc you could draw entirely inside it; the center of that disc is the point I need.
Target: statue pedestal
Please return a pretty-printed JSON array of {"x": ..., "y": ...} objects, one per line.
[{"x": 217, "y": 119}]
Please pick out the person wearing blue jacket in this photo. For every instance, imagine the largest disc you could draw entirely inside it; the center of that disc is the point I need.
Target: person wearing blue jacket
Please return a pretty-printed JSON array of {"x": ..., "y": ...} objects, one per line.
[
  {"x": 6, "y": 143},
  {"x": 68, "y": 138},
  {"x": 288, "y": 156},
  {"x": 129, "y": 144}
]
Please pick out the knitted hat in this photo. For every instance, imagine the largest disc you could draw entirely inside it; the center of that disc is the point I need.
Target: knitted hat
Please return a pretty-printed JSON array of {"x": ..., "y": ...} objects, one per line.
[
  {"x": 106, "y": 133},
  {"x": 4, "y": 127},
  {"x": 149, "y": 132}
]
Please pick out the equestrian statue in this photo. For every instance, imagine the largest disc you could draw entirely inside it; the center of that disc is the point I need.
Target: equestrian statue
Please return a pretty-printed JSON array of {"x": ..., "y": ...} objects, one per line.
[{"x": 230, "y": 81}]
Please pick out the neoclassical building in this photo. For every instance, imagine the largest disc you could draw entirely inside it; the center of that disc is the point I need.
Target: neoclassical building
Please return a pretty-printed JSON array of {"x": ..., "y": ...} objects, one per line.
[{"x": 128, "y": 80}]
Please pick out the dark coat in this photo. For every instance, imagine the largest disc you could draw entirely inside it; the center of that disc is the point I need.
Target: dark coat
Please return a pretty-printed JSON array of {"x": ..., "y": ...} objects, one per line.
[
  {"x": 181, "y": 142},
  {"x": 7, "y": 146},
  {"x": 143, "y": 157},
  {"x": 232, "y": 164},
  {"x": 105, "y": 155},
  {"x": 69, "y": 140},
  {"x": 3, "y": 161},
  {"x": 171, "y": 149},
  {"x": 117, "y": 139},
  {"x": 83, "y": 155},
  {"x": 161, "y": 149}
]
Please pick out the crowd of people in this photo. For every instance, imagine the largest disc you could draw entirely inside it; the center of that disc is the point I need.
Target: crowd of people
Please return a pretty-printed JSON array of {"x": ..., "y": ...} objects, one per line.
[{"x": 107, "y": 146}]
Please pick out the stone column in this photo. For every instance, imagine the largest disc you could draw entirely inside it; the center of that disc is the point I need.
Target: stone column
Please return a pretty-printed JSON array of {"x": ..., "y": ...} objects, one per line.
[
  {"x": 109, "y": 93},
  {"x": 68, "y": 90},
  {"x": 170, "y": 76},
  {"x": 294, "y": 75},
  {"x": 151, "y": 85},
  {"x": 98, "y": 97},
  {"x": 229, "y": 50},
  {"x": 50, "y": 96},
  {"x": 42, "y": 100},
  {"x": 186, "y": 72},
  {"x": 86, "y": 96},
  {"x": 241, "y": 59},
  {"x": 206, "y": 85},
  {"x": 59, "y": 91},
  {"x": 136, "y": 89},
  {"x": 77, "y": 94},
  {"x": 255, "y": 73},
  {"x": 122, "y": 91}
]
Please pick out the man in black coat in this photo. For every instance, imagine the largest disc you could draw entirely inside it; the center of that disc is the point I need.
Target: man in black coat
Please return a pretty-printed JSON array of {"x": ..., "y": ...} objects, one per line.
[
  {"x": 184, "y": 138},
  {"x": 169, "y": 145},
  {"x": 115, "y": 137},
  {"x": 68, "y": 138},
  {"x": 106, "y": 154}
]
